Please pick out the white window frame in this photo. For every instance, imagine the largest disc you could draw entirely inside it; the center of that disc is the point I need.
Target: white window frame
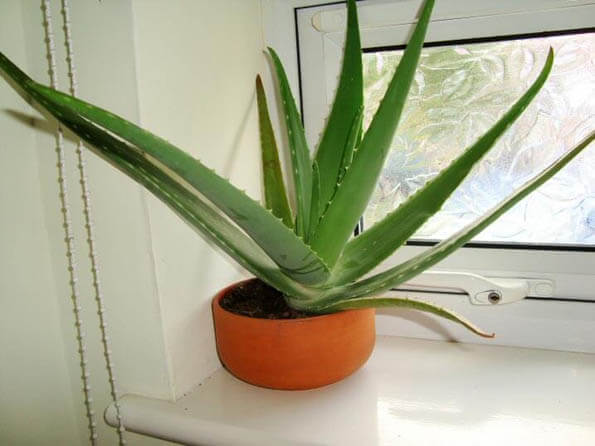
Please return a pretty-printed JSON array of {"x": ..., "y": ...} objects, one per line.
[{"x": 313, "y": 59}]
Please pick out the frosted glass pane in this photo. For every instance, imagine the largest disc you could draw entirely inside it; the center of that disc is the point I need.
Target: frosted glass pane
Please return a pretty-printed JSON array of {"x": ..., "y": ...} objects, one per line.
[{"x": 458, "y": 93}]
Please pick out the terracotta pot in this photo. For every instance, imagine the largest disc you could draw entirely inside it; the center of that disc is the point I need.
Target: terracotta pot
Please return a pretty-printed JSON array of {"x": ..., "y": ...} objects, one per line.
[{"x": 293, "y": 354}]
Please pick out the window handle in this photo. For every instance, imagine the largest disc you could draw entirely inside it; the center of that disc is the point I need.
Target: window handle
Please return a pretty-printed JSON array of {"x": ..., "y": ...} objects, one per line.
[{"x": 481, "y": 290}]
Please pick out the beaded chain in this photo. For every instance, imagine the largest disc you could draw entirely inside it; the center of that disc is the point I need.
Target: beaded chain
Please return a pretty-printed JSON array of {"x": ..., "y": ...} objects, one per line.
[
  {"x": 105, "y": 340},
  {"x": 70, "y": 255}
]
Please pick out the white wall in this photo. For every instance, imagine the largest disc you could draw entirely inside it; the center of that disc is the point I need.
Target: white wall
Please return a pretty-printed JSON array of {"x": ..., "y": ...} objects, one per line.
[
  {"x": 185, "y": 72},
  {"x": 196, "y": 65},
  {"x": 34, "y": 372}
]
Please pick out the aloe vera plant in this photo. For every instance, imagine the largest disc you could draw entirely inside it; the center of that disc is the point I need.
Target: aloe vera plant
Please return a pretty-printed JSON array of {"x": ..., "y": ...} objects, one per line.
[{"x": 307, "y": 252}]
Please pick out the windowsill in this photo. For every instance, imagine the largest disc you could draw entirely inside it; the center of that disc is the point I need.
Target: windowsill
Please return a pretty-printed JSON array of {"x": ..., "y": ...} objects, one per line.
[{"x": 410, "y": 392}]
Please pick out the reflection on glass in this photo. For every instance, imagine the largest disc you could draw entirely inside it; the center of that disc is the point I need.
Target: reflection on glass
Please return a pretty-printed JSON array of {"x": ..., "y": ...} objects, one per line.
[{"x": 459, "y": 92}]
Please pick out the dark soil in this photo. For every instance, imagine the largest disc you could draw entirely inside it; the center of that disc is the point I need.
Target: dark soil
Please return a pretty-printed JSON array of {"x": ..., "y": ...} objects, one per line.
[{"x": 255, "y": 298}]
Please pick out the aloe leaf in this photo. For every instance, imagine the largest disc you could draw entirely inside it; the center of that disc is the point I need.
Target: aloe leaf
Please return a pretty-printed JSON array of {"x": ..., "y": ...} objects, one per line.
[
  {"x": 412, "y": 267},
  {"x": 371, "y": 247},
  {"x": 316, "y": 204},
  {"x": 274, "y": 188},
  {"x": 298, "y": 148},
  {"x": 191, "y": 208},
  {"x": 352, "y": 195},
  {"x": 221, "y": 232},
  {"x": 210, "y": 225},
  {"x": 380, "y": 302},
  {"x": 335, "y": 144},
  {"x": 288, "y": 251},
  {"x": 352, "y": 142}
]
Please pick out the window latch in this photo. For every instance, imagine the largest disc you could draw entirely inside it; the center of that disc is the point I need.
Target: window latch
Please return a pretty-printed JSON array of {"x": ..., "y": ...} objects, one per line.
[{"x": 481, "y": 290}]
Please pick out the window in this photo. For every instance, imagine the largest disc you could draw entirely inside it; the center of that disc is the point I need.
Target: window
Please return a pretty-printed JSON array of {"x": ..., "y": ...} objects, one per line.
[
  {"x": 550, "y": 235},
  {"x": 459, "y": 90}
]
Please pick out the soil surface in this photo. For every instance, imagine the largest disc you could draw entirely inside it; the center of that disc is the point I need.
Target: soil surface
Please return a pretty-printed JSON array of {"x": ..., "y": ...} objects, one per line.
[{"x": 256, "y": 299}]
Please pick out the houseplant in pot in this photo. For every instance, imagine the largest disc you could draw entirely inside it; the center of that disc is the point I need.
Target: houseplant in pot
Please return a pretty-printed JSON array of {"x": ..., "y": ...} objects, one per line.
[{"x": 304, "y": 257}]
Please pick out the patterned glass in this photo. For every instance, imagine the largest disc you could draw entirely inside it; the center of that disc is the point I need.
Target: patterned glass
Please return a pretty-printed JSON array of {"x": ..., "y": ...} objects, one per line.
[{"x": 458, "y": 93}]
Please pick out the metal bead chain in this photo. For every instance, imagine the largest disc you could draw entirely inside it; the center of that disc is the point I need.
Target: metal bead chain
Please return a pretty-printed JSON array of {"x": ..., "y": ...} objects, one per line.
[
  {"x": 68, "y": 236},
  {"x": 87, "y": 211}
]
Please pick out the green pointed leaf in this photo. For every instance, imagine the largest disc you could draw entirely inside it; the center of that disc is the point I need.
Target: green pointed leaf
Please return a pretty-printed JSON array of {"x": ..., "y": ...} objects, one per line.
[
  {"x": 190, "y": 207},
  {"x": 274, "y": 187},
  {"x": 335, "y": 144},
  {"x": 352, "y": 195},
  {"x": 288, "y": 251},
  {"x": 194, "y": 211},
  {"x": 374, "y": 245},
  {"x": 350, "y": 148},
  {"x": 298, "y": 148},
  {"x": 380, "y": 302},
  {"x": 412, "y": 267},
  {"x": 316, "y": 204}
]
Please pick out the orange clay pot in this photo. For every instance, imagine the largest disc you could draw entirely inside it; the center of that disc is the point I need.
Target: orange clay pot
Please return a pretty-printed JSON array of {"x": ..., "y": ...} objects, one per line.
[{"x": 293, "y": 354}]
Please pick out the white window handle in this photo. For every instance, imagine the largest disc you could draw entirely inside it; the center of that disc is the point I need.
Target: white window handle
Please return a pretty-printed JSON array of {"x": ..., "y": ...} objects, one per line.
[{"x": 481, "y": 290}]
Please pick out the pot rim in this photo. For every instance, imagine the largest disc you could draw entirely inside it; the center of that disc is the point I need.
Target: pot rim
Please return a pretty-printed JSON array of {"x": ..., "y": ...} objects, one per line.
[{"x": 309, "y": 319}]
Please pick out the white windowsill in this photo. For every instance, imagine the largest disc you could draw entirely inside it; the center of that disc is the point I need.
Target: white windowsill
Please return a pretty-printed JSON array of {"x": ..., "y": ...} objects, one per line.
[{"x": 411, "y": 392}]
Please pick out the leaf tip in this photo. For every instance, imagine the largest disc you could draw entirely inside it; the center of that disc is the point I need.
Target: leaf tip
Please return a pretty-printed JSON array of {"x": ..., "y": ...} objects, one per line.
[{"x": 273, "y": 54}]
